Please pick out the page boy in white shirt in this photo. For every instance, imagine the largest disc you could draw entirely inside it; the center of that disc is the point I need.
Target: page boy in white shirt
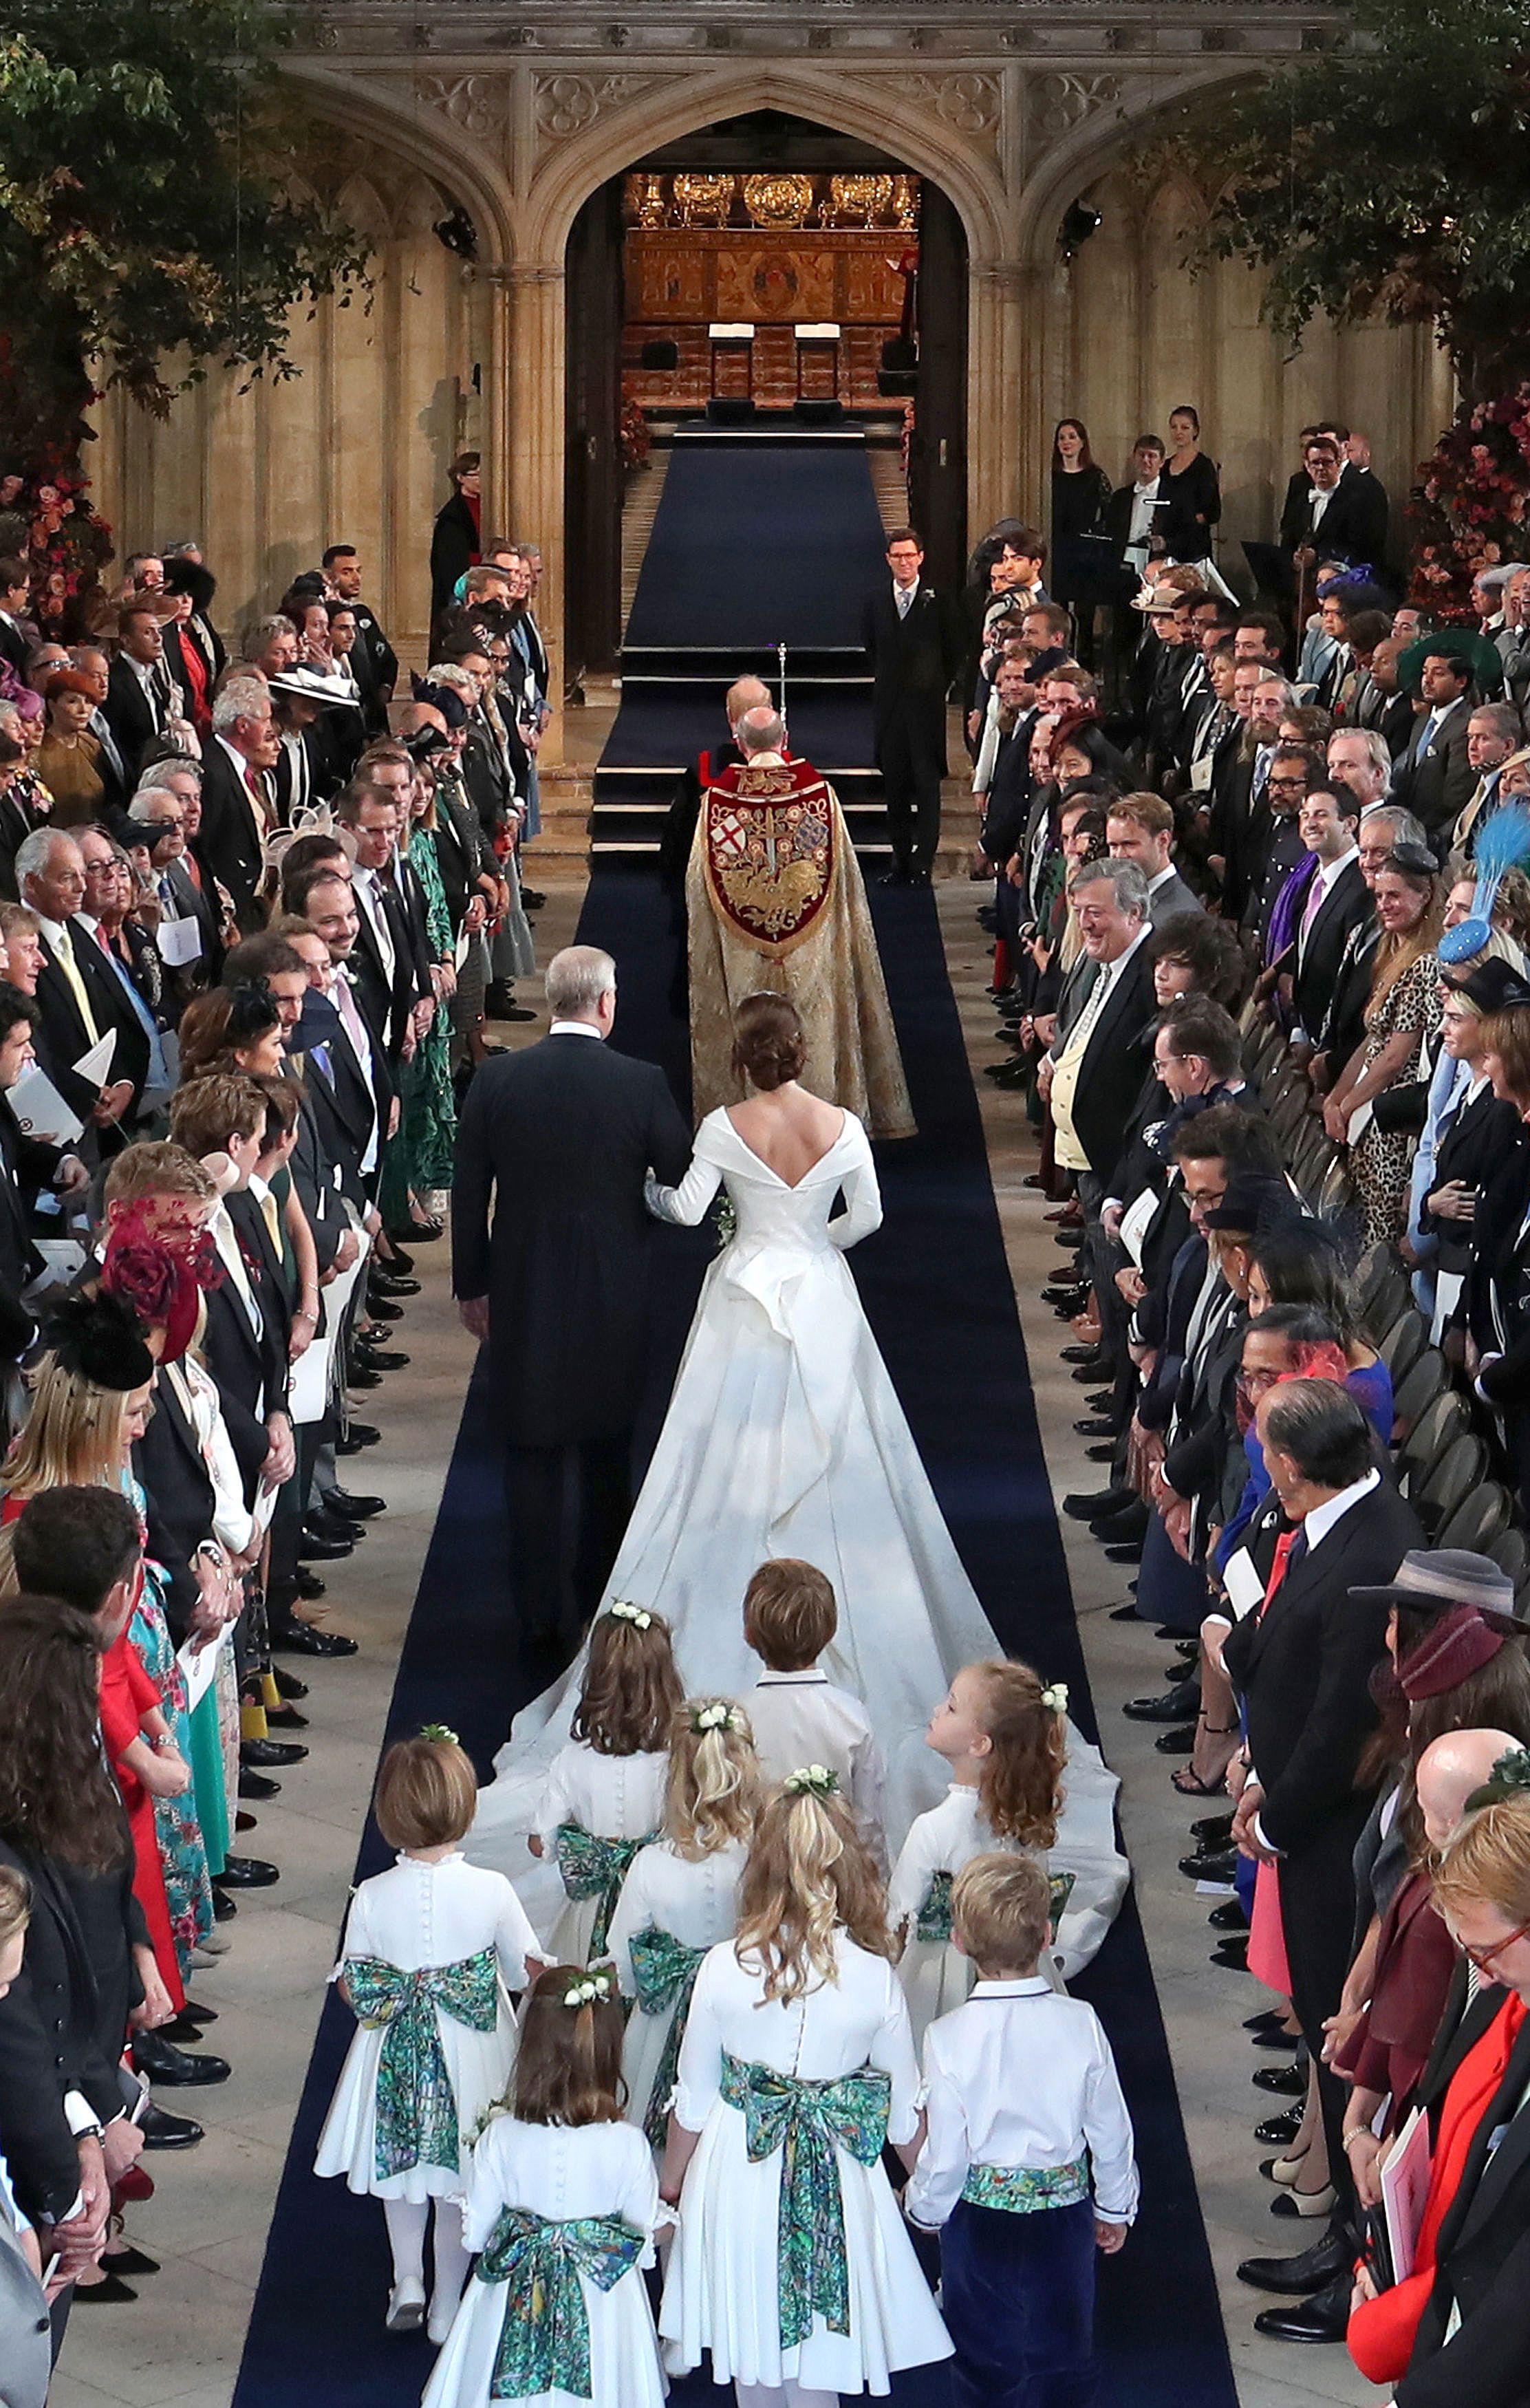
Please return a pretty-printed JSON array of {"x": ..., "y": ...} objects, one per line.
[
  {"x": 799, "y": 1716},
  {"x": 1026, "y": 2112}
]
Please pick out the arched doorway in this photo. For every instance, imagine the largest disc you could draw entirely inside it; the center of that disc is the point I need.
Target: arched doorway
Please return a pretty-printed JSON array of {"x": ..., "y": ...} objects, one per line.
[{"x": 771, "y": 264}]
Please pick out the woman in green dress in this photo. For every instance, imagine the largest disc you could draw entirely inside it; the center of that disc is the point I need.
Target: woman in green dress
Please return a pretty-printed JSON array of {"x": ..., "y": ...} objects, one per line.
[{"x": 419, "y": 1169}]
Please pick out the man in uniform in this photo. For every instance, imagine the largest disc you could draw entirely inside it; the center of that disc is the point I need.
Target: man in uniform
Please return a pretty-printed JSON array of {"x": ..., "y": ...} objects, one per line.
[{"x": 776, "y": 902}]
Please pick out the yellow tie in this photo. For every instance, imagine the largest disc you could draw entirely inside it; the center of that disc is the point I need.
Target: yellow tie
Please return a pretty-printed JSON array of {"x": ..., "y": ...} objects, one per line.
[
  {"x": 64, "y": 954},
  {"x": 273, "y": 1223}
]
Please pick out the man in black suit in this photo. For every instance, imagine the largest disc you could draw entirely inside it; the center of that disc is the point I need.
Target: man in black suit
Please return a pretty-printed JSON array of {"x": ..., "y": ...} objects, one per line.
[
  {"x": 563, "y": 1135},
  {"x": 1335, "y": 517},
  {"x": 139, "y": 695},
  {"x": 390, "y": 963},
  {"x": 16, "y": 639},
  {"x": 914, "y": 647},
  {"x": 1435, "y": 779},
  {"x": 373, "y": 660},
  {"x": 27, "y": 1167},
  {"x": 1303, "y": 1664},
  {"x": 1337, "y": 901},
  {"x": 237, "y": 812},
  {"x": 456, "y": 539},
  {"x": 78, "y": 1000}
]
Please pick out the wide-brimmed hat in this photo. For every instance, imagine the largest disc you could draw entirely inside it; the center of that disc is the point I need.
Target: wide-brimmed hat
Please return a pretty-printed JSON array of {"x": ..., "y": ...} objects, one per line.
[
  {"x": 314, "y": 686},
  {"x": 1435, "y": 1580}
]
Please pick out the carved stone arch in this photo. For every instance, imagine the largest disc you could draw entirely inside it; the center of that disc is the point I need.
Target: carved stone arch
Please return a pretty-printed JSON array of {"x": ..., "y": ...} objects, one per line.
[
  {"x": 363, "y": 207},
  {"x": 465, "y": 168},
  {"x": 872, "y": 108},
  {"x": 1103, "y": 134}
]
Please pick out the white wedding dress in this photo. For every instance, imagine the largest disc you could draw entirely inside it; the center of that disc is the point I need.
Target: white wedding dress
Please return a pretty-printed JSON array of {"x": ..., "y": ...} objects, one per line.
[{"x": 784, "y": 1437}]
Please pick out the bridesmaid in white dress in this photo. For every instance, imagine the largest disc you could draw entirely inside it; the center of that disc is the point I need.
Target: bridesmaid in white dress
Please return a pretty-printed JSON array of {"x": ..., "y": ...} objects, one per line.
[
  {"x": 682, "y": 1896},
  {"x": 561, "y": 2206},
  {"x": 792, "y": 2265},
  {"x": 785, "y": 1437},
  {"x": 432, "y": 1948},
  {"x": 605, "y": 1789}
]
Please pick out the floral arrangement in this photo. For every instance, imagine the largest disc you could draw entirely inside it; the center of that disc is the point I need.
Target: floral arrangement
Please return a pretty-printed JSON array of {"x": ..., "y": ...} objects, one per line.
[
  {"x": 595, "y": 1989},
  {"x": 813, "y": 1780},
  {"x": 1471, "y": 504},
  {"x": 635, "y": 440},
  {"x": 47, "y": 519},
  {"x": 621, "y": 1611},
  {"x": 716, "y": 1714}
]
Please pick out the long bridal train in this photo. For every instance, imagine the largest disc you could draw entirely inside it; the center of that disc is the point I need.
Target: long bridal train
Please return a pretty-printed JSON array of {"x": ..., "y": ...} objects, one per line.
[{"x": 784, "y": 1437}]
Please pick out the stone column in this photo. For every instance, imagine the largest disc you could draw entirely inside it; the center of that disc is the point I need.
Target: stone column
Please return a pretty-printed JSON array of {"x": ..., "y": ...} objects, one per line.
[
  {"x": 529, "y": 445},
  {"x": 1003, "y": 369}
]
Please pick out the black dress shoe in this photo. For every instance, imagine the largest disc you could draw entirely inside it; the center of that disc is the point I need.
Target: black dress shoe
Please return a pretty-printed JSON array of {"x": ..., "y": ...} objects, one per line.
[
  {"x": 129, "y": 2261},
  {"x": 1104, "y": 1501},
  {"x": 314, "y": 1548},
  {"x": 224, "y": 1908},
  {"x": 243, "y": 1822},
  {"x": 361, "y": 1375},
  {"x": 1170, "y": 1708},
  {"x": 1279, "y": 2131},
  {"x": 1270, "y": 2020},
  {"x": 395, "y": 1261},
  {"x": 1297, "y": 2278},
  {"x": 359, "y": 1508},
  {"x": 1213, "y": 1830},
  {"x": 1102, "y": 1401},
  {"x": 1228, "y": 1916},
  {"x": 323, "y": 1523},
  {"x": 110, "y": 2292},
  {"x": 247, "y": 1872},
  {"x": 257, "y": 1784},
  {"x": 1131, "y": 1554},
  {"x": 1283, "y": 2080},
  {"x": 309, "y": 1586},
  {"x": 381, "y": 1358},
  {"x": 164, "y": 2065},
  {"x": 1326, "y": 2317},
  {"x": 1231, "y": 1955},
  {"x": 162, "y": 2130},
  {"x": 392, "y": 1283},
  {"x": 1128, "y": 1522},
  {"x": 1212, "y": 1864},
  {"x": 358, "y": 1434},
  {"x": 267, "y": 1753},
  {"x": 302, "y": 1638},
  {"x": 1096, "y": 1368},
  {"x": 1277, "y": 2038},
  {"x": 1176, "y": 1743},
  {"x": 288, "y": 1683},
  {"x": 184, "y": 2033},
  {"x": 1101, "y": 1453},
  {"x": 1126, "y": 1612},
  {"x": 193, "y": 2013},
  {"x": 285, "y": 1718},
  {"x": 382, "y": 1308},
  {"x": 1069, "y": 1300},
  {"x": 1098, "y": 1427}
]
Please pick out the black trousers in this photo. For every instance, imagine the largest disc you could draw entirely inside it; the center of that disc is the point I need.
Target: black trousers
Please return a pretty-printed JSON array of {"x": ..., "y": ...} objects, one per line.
[
  {"x": 910, "y": 759},
  {"x": 568, "y": 1506},
  {"x": 1317, "y": 1912}
]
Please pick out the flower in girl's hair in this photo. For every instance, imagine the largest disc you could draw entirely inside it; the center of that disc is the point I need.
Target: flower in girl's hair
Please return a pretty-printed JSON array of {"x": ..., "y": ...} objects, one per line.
[
  {"x": 621, "y": 1612},
  {"x": 716, "y": 1717},
  {"x": 813, "y": 1780},
  {"x": 439, "y": 1733},
  {"x": 593, "y": 1990},
  {"x": 1055, "y": 1698}
]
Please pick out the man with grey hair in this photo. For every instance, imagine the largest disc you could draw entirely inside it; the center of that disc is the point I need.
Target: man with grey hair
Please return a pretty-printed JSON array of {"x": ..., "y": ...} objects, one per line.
[
  {"x": 237, "y": 812},
  {"x": 77, "y": 996},
  {"x": 1381, "y": 827},
  {"x": 1093, "y": 1073},
  {"x": 550, "y": 1246}
]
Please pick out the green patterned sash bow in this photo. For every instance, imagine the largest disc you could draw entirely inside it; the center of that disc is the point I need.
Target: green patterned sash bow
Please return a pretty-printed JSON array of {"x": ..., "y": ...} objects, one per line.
[
  {"x": 416, "y": 2105},
  {"x": 808, "y": 2121},
  {"x": 544, "y": 2344},
  {"x": 1020, "y": 2191},
  {"x": 596, "y": 1867},
  {"x": 934, "y": 1920},
  {"x": 664, "y": 1971}
]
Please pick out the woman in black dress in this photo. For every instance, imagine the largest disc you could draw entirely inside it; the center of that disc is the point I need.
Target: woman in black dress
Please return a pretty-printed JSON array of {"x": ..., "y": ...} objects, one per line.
[
  {"x": 1192, "y": 488},
  {"x": 1081, "y": 494}
]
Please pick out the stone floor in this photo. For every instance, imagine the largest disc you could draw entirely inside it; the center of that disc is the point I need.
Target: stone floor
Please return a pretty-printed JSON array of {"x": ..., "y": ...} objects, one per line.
[{"x": 180, "y": 2346}]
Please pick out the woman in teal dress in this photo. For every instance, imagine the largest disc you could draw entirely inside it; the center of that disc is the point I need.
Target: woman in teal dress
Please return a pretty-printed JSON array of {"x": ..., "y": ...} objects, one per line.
[{"x": 421, "y": 1165}]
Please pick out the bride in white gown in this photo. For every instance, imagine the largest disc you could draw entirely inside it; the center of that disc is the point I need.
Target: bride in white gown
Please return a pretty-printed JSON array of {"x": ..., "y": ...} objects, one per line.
[{"x": 785, "y": 1437}]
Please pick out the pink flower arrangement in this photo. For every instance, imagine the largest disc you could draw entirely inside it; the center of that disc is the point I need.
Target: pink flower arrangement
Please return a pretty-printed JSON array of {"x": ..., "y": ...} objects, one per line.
[{"x": 1471, "y": 500}]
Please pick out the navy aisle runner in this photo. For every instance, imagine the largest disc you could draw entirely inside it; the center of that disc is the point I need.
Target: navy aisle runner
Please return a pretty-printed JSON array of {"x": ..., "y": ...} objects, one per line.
[{"x": 935, "y": 1286}]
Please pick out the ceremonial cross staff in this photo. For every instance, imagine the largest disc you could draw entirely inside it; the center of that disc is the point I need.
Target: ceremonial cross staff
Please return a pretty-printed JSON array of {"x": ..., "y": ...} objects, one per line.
[{"x": 780, "y": 660}]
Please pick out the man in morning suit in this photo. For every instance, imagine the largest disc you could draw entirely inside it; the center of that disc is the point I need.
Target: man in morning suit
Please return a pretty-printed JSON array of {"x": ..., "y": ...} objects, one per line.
[
  {"x": 1303, "y": 1663},
  {"x": 914, "y": 645},
  {"x": 1433, "y": 778},
  {"x": 374, "y": 663},
  {"x": 564, "y": 1135},
  {"x": 237, "y": 812}
]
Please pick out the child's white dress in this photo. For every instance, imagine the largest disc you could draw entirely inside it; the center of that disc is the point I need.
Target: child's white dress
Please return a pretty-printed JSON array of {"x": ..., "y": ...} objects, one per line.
[
  {"x": 667, "y": 1899},
  {"x": 468, "y": 1928},
  {"x": 935, "y": 1975},
  {"x": 562, "y": 2174},
  {"x": 604, "y": 1798},
  {"x": 725, "y": 2291}
]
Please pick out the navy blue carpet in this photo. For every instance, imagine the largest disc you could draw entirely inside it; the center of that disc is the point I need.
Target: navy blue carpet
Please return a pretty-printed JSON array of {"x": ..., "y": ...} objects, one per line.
[
  {"x": 738, "y": 547},
  {"x": 935, "y": 1286},
  {"x": 661, "y": 727}
]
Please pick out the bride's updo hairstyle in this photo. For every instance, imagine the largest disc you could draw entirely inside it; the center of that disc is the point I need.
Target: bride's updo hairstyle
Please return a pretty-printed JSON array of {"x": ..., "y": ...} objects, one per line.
[
  {"x": 1020, "y": 1785},
  {"x": 809, "y": 1873},
  {"x": 768, "y": 1045},
  {"x": 631, "y": 1688}
]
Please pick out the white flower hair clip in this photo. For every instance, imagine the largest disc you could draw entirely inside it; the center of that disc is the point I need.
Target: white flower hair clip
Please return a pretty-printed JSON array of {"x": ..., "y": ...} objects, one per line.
[
  {"x": 715, "y": 1714},
  {"x": 813, "y": 1780},
  {"x": 593, "y": 1990},
  {"x": 1055, "y": 1698},
  {"x": 621, "y": 1611}
]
